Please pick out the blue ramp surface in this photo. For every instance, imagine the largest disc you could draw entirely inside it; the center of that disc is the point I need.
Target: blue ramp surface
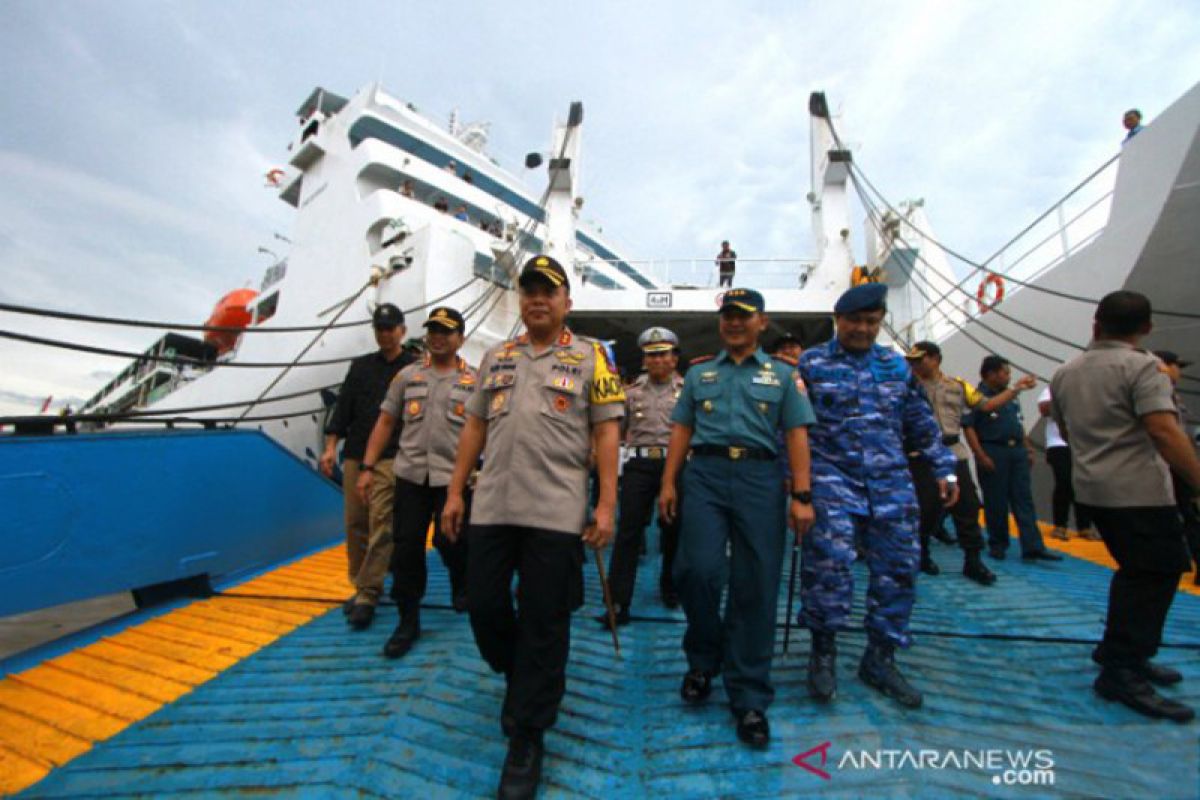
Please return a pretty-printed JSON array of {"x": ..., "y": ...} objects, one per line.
[{"x": 1009, "y": 711}]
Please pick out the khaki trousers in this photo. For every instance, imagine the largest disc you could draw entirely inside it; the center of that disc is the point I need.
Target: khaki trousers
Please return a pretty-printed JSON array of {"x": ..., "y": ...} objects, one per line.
[{"x": 368, "y": 529}]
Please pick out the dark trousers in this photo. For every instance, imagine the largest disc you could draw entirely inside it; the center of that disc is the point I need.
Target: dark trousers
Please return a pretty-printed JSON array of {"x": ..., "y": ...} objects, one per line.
[
  {"x": 1147, "y": 544},
  {"x": 965, "y": 512},
  {"x": 1007, "y": 487},
  {"x": 415, "y": 506},
  {"x": 726, "y": 278},
  {"x": 1185, "y": 500},
  {"x": 1059, "y": 459},
  {"x": 640, "y": 484},
  {"x": 738, "y": 504},
  {"x": 528, "y": 644}
]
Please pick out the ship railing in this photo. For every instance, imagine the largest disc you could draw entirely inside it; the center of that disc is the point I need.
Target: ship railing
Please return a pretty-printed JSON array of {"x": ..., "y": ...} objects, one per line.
[
  {"x": 1065, "y": 228},
  {"x": 703, "y": 273}
]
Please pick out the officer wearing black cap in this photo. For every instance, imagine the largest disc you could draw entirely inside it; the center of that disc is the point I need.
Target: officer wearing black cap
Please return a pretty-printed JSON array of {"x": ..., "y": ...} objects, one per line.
[
  {"x": 787, "y": 347},
  {"x": 429, "y": 400},
  {"x": 648, "y": 406},
  {"x": 1185, "y": 496},
  {"x": 369, "y": 525},
  {"x": 726, "y": 419},
  {"x": 1003, "y": 457},
  {"x": 546, "y": 401},
  {"x": 951, "y": 399}
]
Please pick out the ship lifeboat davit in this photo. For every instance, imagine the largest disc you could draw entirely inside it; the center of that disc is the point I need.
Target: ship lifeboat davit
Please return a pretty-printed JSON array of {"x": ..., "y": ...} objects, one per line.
[{"x": 231, "y": 311}]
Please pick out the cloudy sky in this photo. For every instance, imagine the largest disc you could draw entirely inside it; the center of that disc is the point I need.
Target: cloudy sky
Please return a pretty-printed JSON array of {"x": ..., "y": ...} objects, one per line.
[{"x": 135, "y": 134}]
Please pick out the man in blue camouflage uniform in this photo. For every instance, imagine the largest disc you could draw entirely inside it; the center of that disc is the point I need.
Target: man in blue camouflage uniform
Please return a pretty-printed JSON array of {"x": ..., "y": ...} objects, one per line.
[{"x": 869, "y": 407}]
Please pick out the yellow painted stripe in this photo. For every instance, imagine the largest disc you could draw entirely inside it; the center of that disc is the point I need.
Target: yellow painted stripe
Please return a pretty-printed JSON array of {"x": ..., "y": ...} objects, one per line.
[
  {"x": 59, "y": 709},
  {"x": 1097, "y": 553}
]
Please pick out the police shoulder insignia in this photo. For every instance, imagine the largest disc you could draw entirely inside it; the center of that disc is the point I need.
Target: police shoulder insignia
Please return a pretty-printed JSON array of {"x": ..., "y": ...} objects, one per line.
[{"x": 606, "y": 385}]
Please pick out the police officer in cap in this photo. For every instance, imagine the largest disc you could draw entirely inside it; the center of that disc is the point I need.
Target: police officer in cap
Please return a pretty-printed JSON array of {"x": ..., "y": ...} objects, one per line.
[
  {"x": 869, "y": 407},
  {"x": 726, "y": 418},
  {"x": 648, "y": 406},
  {"x": 545, "y": 402},
  {"x": 429, "y": 399},
  {"x": 951, "y": 399}
]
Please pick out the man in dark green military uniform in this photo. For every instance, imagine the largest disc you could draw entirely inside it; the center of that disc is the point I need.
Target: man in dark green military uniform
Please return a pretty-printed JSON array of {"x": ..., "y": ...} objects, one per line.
[{"x": 727, "y": 418}]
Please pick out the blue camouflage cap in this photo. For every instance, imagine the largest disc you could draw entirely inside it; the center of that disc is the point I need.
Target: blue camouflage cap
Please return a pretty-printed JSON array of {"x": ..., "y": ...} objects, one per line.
[
  {"x": 746, "y": 300},
  {"x": 864, "y": 297}
]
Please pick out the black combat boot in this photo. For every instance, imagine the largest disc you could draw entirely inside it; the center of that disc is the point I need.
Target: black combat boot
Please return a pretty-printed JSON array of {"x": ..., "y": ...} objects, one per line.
[
  {"x": 976, "y": 570},
  {"x": 407, "y": 632},
  {"x": 822, "y": 675},
  {"x": 522, "y": 770},
  {"x": 878, "y": 670}
]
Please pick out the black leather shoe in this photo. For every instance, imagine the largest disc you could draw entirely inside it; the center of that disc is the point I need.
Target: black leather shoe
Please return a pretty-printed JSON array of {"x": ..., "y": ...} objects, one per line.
[
  {"x": 696, "y": 687},
  {"x": 1125, "y": 685},
  {"x": 620, "y": 614},
  {"x": 929, "y": 567},
  {"x": 752, "y": 728},
  {"x": 996, "y": 554},
  {"x": 878, "y": 670},
  {"x": 522, "y": 770},
  {"x": 361, "y": 616},
  {"x": 1041, "y": 555},
  {"x": 1156, "y": 674},
  {"x": 348, "y": 604},
  {"x": 976, "y": 570},
  {"x": 822, "y": 663},
  {"x": 407, "y": 632}
]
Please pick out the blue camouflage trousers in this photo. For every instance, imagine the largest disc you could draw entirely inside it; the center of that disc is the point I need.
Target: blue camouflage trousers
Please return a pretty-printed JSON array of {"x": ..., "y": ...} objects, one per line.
[{"x": 893, "y": 553}]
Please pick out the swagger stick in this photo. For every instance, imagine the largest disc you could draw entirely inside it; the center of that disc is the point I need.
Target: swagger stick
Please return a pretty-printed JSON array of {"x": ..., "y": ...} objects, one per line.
[
  {"x": 787, "y": 624},
  {"x": 608, "y": 606}
]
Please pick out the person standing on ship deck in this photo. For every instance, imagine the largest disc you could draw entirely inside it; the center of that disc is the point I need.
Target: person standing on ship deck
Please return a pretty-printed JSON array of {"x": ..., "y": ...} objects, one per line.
[
  {"x": 726, "y": 264},
  {"x": 1058, "y": 456},
  {"x": 733, "y": 502},
  {"x": 1003, "y": 458},
  {"x": 950, "y": 399},
  {"x": 429, "y": 398},
  {"x": 369, "y": 525},
  {"x": 649, "y": 402},
  {"x": 1114, "y": 407},
  {"x": 546, "y": 400}
]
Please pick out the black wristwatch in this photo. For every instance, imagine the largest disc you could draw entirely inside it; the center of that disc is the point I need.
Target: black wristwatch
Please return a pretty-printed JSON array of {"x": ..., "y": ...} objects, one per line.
[{"x": 803, "y": 497}]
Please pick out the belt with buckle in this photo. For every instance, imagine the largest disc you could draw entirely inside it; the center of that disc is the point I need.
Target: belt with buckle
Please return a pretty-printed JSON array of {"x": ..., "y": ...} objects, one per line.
[
  {"x": 652, "y": 453},
  {"x": 734, "y": 453},
  {"x": 950, "y": 440}
]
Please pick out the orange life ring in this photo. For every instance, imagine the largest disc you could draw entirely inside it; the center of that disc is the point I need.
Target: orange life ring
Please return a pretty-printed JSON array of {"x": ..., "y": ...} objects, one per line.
[
  {"x": 981, "y": 296},
  {"x": 275, "y": 176}
]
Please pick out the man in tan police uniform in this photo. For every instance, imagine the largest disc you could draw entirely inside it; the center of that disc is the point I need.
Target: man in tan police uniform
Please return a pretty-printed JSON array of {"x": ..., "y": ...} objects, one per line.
[
  {"x": 430, "y": 398},
  {"x": 950, "y": 398},
  {"x": 1113, "y": 405},
  {"x": 649, "y": 403},
  {"x": 545, "y": 401}
]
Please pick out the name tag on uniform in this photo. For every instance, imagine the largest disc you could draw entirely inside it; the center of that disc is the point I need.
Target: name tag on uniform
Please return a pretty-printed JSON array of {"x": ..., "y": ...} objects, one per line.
[
  {"x": 766, "y": 379},
  {"x": 708, "y": 377}
]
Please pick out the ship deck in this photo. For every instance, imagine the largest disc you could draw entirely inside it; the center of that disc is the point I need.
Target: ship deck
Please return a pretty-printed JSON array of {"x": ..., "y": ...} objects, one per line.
[{"x": 264, "y": 690}]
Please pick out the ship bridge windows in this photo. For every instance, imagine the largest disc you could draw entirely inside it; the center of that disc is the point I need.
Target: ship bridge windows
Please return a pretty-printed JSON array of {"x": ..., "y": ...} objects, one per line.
[{"x": 265, "y": 308}]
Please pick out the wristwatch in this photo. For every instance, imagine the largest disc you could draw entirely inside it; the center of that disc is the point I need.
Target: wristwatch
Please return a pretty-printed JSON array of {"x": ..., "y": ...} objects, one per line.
[{"x": 804, "y": 497}]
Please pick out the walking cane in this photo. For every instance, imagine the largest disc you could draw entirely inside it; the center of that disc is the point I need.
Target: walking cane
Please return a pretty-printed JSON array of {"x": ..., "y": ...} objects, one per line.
[
  {"x": 787, "y": 625},
  {"x": 608, "y": 606}
]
